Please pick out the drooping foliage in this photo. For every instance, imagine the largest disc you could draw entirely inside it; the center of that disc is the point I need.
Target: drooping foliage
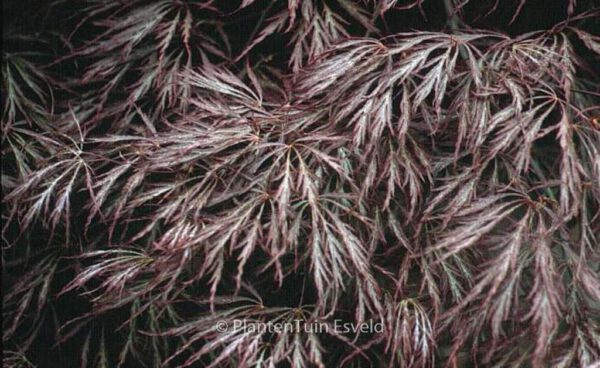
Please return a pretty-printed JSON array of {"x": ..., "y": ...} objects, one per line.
[{"x": 173, "y": 167}]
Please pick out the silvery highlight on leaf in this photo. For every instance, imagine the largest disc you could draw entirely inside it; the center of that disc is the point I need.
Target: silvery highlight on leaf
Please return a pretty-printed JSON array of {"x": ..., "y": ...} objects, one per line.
[{"x": 301, "y": 183}]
